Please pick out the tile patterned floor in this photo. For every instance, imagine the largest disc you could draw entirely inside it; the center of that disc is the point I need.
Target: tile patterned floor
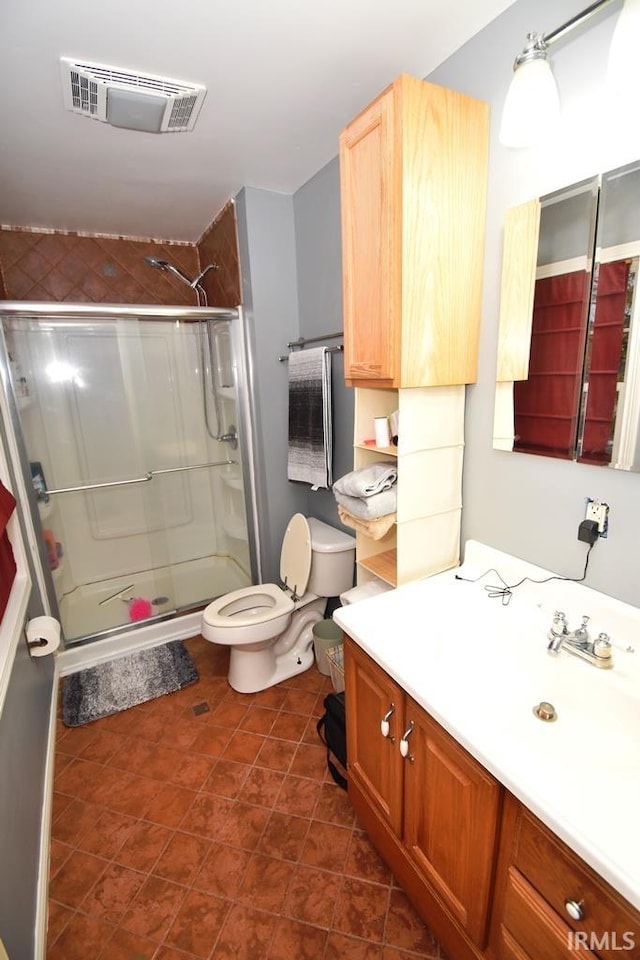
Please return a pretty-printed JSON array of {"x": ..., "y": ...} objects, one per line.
[{"x": 180, "y": 835}]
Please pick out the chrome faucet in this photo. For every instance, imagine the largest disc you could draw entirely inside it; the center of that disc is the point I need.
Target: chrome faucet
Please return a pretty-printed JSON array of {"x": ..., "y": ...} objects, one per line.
[{"x": 578, "y": 642}]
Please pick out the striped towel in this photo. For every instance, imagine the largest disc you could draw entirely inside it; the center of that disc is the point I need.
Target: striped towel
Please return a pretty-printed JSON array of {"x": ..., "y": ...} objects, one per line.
[{"x": 310, "y": 430}]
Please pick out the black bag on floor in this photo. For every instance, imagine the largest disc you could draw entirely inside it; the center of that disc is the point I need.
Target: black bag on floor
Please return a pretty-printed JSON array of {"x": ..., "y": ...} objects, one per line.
[{"x": 333, "y": 733}]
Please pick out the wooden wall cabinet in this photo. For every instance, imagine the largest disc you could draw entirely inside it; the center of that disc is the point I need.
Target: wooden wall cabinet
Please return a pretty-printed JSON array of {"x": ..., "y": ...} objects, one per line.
[
  {"x": 433, "y": 813},
  {"x": 413, "y": 172}
]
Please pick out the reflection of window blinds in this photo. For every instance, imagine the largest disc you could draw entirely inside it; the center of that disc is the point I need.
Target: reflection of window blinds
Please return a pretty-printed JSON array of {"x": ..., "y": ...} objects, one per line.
[
  {"x": 603, "y": 362},
  {"x": 546, "y": 405}
]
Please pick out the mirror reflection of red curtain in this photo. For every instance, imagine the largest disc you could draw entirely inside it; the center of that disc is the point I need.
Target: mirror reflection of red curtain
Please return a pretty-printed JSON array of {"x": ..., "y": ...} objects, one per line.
[
  {"x": 604, "y": 361},
  {"x": 7, "y": 561},
  {"x": 546, "y": 404}
]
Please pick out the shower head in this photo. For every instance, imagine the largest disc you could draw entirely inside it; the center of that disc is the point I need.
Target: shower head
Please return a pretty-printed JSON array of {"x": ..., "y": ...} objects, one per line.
[{"x": 169, "y": 268}]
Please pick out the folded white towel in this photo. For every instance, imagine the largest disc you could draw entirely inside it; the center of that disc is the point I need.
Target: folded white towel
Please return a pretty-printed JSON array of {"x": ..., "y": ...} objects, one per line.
[
  {"x": 368, "y": 480},
  {"x": 369, "y": 508}
]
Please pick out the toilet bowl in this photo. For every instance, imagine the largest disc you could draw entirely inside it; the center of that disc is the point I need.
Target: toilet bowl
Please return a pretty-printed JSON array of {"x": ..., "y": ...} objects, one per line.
[{"x": 269, "y": 627}]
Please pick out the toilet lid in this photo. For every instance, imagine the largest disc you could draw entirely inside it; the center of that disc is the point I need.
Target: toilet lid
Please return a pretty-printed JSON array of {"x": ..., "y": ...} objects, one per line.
[{"x": 295, "y": 557}]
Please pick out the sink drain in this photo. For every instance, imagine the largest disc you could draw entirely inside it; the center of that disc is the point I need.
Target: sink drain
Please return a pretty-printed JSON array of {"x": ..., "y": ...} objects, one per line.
[{"x": 545, "y": 711}]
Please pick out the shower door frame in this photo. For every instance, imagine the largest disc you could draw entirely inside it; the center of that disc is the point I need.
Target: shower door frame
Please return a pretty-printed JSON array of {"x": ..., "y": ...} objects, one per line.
[{"x": 245, "y": 415}]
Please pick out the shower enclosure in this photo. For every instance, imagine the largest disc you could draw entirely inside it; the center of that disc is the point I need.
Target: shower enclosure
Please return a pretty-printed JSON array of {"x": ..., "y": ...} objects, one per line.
[{"x": 133, "y": 427}]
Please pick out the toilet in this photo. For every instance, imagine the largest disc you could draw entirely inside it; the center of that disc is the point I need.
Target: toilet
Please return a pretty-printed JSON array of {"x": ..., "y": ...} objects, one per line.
[{"x": 269, "y": 627}]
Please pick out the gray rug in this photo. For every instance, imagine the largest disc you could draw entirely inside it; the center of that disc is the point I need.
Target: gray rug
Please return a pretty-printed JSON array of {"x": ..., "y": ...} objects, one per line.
[{"x": 135, "y": 678}]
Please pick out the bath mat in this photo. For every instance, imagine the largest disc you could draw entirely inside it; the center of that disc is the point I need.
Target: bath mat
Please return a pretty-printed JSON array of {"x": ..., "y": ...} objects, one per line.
[{"x": 135, "y": 678}]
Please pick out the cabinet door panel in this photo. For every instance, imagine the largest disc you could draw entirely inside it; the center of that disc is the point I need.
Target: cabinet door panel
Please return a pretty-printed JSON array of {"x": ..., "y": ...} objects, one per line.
[
  {"x": 451, "y": 815},
  {"x": 370, "y": 257},
  {"x": 374, "y": 760}
]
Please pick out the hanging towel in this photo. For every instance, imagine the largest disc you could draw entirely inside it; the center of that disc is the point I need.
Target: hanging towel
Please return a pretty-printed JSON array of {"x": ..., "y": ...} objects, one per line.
[
  {"x": 368, "y": 480},
  {"x": 310, "y": 429},
  {"x": 7, "y": 560}
]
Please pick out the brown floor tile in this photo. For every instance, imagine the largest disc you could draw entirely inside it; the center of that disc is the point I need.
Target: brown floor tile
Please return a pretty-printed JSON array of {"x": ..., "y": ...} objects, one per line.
[
  {"x": 124, "y": 945},
  {"x": 405, "y": 929},
  {"x": 153, "y": 911},
  {"x": 259, "y": 720},
  {"x": 265, "y": 883},
  {"x": 340, "y": 947},
  {"x": 108, "y": 834},
  {"x": 299, "y": 940},
  {"x": 284, "y": 836},
  {"x": 81, "y": 938},
  {"x": 312, "y": 896},
  {"x": 226, "y": 778},
  {"x": 207, "y": 815},
  {"x": 223, "y": 870},
  {"x": 75, "y": 878},
  {"x": 217, "y": 835},
  {"x": 169, "y": 804},
  {"x": 244, "y": 825},
  {"x": 198, "y": 923},
  {"x": 261, "y": 786},
  {"x": 182, "y": 858},
  {"x": 362, "y": 909},
  {"x": 326, "y": 846},
  {"x": 275, "y": 755},
  {"x": 246, "y": 935},
  {"x": 111, "y": 895},
  {"x": 143, "y": 846}
]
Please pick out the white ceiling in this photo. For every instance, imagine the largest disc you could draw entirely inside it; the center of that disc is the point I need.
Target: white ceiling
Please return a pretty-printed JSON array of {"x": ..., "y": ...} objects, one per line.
[{"x": 283, "y": 77}]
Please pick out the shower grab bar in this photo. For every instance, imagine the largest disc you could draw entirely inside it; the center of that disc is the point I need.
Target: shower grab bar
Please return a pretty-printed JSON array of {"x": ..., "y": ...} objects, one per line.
[
  {"x": 194, "y": 466},
  {"x": 148, "y": 476}
]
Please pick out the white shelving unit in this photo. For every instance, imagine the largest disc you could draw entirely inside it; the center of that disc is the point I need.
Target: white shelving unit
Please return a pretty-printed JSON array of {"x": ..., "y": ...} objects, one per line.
[{"x": 426, "y": 536}]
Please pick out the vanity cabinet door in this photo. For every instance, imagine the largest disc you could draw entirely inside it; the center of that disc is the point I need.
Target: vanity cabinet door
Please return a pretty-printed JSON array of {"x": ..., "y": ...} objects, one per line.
[
  {"x": 451, "y": 820},
  {"x": 374, "y": 759}
]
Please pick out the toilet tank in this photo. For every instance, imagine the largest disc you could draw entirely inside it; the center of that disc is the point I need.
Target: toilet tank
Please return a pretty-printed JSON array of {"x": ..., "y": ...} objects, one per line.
[{"x": 332, "y": 559}]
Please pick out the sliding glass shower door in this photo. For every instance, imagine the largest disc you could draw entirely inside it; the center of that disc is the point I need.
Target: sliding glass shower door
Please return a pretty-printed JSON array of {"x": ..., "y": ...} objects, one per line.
[{"x": 129, "y": 428}]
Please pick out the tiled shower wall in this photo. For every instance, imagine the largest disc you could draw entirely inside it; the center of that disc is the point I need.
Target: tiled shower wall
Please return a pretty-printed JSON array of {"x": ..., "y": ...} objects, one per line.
[
  {"x": 219, "y": 245},
  {"x": 67, "y": 268}
]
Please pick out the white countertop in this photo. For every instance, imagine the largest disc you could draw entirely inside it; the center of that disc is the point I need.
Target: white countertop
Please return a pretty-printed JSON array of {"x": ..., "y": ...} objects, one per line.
[{"x": 479, "y": 667}]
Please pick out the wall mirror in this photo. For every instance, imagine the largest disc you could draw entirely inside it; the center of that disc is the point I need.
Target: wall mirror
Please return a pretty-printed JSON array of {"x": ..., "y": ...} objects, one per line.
[{"x": 568, "y": 314}]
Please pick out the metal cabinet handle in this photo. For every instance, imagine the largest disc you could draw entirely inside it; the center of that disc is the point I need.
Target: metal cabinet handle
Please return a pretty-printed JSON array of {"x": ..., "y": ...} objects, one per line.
[
  {"x": 575, "y": 909},
  {"x": 404, "y": 742},
  {"x": 384, "y": 723}
]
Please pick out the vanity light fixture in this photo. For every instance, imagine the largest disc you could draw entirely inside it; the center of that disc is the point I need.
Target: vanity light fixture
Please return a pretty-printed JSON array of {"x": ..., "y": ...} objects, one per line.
[{"x": 532, "y": 105}]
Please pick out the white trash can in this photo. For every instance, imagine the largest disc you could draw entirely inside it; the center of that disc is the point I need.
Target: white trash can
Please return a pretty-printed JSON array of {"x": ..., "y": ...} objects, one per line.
[{"x": 326, "y": 634}]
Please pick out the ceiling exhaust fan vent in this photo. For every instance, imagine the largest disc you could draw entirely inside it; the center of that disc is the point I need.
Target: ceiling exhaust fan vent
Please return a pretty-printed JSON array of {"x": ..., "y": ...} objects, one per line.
[{"x": 125, "y": 98}]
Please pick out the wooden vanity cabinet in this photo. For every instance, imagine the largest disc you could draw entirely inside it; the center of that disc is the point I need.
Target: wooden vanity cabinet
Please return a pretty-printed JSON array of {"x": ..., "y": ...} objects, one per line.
[
  {"x": 541, "y": 884},
  {"x": 413, "y": 174},
  {"x": 433, "y": 814}
]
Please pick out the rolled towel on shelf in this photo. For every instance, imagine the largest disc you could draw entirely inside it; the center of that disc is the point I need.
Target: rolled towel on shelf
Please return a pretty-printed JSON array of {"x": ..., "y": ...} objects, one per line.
[
  {"x": 369, "y": 508},
  {"x": 368, "y": 481},
  {"x": 376, "y": 529}
]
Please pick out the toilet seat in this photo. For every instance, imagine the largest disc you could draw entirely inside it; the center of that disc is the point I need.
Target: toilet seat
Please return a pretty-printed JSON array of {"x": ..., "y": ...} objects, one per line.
[
  {"x": 248, "y": 606},
  {"x": 256, "y": 613}
]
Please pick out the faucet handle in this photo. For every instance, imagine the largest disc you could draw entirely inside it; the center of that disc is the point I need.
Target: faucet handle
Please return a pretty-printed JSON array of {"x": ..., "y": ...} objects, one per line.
[
  {"x": 559, "y": 625},
  {"x": 602, "y": 647}
]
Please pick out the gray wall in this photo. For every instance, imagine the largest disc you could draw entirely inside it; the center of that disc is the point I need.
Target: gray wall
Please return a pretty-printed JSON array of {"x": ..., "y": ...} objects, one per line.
[
  {"x": 319, "y": 252},
  {"x": 528, "y": 506},
  {"x": 268, "y": 267},
  {"x": 531, "y": 506},
  {"x": 24, "y": 728}
]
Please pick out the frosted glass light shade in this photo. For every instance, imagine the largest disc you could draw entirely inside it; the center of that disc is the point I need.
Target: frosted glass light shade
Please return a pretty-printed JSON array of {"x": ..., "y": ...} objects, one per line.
[
  {"x": 623, "y": 72},
  {"x": 532, "y": 106}
]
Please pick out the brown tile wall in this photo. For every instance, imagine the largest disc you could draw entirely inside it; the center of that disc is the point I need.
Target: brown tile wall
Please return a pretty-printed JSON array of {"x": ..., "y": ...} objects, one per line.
[
  {"x": 219, "y": 244},
  {"x": 67, "y": 268}
]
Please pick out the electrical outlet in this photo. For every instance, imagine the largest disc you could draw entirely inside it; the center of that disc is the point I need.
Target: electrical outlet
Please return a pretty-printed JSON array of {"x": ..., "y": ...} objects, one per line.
[{"x": 598, "y": 511}]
